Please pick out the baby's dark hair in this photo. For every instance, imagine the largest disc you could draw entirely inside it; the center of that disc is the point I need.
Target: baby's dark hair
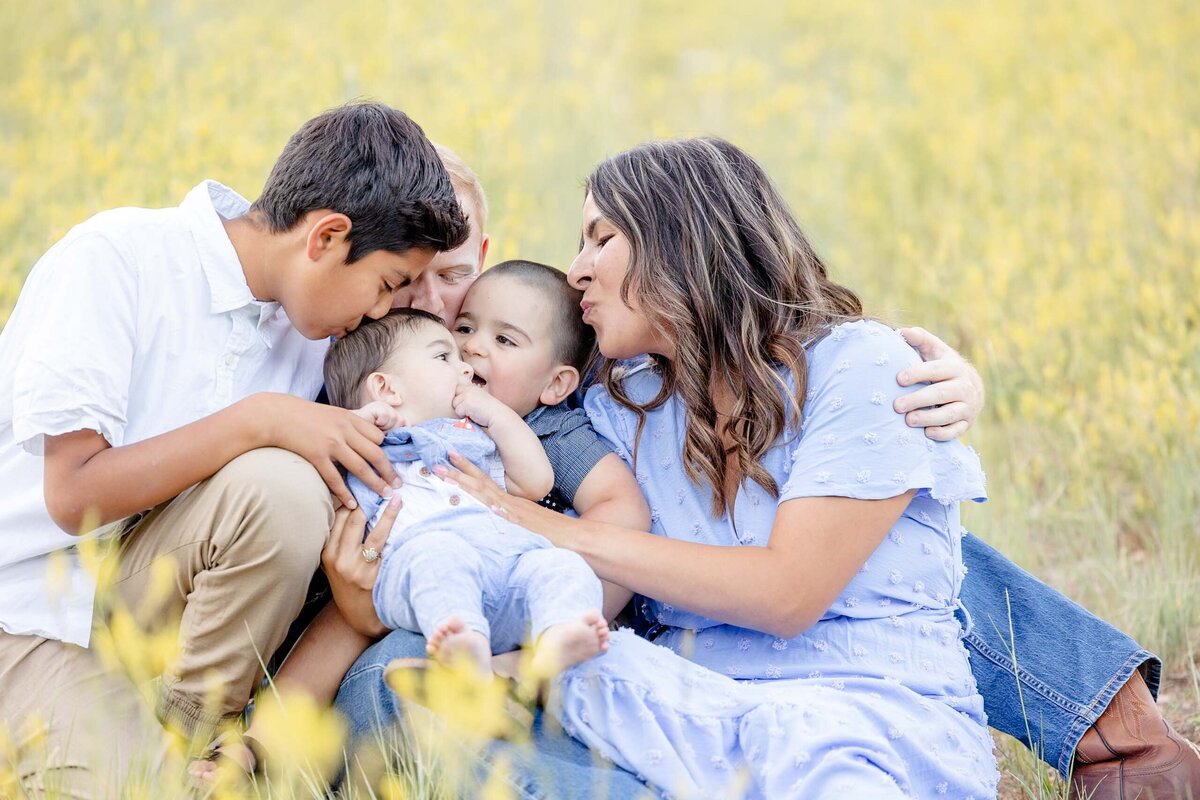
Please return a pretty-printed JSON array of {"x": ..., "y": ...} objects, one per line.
[
  {"x": 574, "y": 342},
  {"x": 365, "y": 350},
  {"x": 372, "y": 163}
]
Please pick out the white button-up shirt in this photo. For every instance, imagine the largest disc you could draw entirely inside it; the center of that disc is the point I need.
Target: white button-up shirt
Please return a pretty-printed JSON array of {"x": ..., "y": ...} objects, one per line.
[{"x": 138, "y": 322}]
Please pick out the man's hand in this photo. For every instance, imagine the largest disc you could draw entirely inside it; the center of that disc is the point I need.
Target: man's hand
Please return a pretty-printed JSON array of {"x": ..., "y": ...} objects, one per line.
[
  {"x": 326, "y": 436},
  {"x": 949, "y": 405},
  {"x": 483, "y": 409}
]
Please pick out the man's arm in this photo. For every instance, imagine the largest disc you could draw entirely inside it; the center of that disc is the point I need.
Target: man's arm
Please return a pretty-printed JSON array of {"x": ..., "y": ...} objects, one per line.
[
  {"x": 86, "y": 479},
  {"x": 955, "y": 395}
]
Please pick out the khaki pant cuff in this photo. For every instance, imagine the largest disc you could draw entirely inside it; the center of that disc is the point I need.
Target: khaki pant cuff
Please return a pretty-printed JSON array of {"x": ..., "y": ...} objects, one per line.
[{"x": 181, "y": 716}]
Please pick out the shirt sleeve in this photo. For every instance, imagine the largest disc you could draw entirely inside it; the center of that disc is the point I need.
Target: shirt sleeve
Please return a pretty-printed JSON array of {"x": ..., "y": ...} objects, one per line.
[
  {"x": 853, "y": 444},
  {"x": 614, "y": 423},
  {"x": 572, "y": 446},
  {"x": 74, "y": 374}
]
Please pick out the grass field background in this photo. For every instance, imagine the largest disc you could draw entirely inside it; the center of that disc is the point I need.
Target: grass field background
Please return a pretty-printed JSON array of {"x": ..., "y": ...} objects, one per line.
[{"x": 1022, "y": 178}]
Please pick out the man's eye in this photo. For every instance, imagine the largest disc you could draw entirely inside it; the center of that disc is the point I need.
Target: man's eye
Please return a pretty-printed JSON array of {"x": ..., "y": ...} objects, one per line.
[
  {"x": 388, "y": 289},
  {"x": 452, "y": 277}
]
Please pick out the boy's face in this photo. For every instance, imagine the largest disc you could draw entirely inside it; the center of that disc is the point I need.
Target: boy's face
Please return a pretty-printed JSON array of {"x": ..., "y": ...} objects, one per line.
[
  {"x": 421, "y": 375},
  {"x": 324, "y": 296},
  {"x": 440, "y": 289},
  {"x": 505, "y": 332}
]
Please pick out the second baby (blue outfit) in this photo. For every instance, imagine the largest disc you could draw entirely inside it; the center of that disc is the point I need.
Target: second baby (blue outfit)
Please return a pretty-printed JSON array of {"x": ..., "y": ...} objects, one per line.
[{"x": 448, "y": 554}]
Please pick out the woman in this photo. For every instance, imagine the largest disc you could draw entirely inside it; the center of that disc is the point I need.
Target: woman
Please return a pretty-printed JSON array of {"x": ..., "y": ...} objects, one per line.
[
  {"x": 804, "y": 539},
  {"x": 1066, "y": 695}
]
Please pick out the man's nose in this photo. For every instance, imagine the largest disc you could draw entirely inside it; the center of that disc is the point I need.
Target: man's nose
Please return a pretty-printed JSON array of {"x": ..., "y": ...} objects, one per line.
[{"x": 427, "y": 299}]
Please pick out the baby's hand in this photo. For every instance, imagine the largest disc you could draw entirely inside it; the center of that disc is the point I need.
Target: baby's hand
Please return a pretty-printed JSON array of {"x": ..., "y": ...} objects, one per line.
[
  {"x": 381, "y": 415},
  {"x": 474, "y": 402}
]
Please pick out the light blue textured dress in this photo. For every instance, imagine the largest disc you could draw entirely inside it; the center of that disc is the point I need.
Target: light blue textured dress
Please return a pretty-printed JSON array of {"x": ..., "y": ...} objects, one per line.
[{"x": 876, "y": 700}]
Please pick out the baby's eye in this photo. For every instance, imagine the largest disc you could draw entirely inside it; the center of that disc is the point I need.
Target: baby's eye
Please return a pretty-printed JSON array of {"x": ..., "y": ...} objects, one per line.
[
  {"x": 442, "y": 356},
  {"x": 462, "y": 329},
  {"x": 502, "y": 339}
]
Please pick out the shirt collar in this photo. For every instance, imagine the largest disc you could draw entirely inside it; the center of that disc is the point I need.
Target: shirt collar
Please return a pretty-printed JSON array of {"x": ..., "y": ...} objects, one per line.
[{"x": 206, "y": 205}]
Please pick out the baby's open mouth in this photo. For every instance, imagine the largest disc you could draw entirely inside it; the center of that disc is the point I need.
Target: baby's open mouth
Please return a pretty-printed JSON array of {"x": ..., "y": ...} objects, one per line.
[{"x": 478, "y": 381}]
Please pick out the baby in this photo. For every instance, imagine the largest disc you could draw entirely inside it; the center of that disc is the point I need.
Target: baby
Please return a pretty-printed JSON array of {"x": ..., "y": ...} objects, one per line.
[
  {"x": 470, "y": 581},
  {"x": 523, "y": 341}
]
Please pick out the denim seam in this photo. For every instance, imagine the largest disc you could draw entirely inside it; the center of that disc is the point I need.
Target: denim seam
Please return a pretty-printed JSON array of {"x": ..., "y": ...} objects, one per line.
[{"x": 1066, "y": 703}]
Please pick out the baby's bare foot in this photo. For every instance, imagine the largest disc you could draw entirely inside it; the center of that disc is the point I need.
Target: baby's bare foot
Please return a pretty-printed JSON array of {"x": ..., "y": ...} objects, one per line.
[
  {"x": 566, "y": 644},
  {"x": 453, "y": 641}
]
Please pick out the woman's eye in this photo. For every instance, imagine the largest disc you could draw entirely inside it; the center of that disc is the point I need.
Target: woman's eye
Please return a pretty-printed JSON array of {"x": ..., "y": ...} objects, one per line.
[
  {"x": 603, "y": 241},
  {"x": 388, "y": 289}
]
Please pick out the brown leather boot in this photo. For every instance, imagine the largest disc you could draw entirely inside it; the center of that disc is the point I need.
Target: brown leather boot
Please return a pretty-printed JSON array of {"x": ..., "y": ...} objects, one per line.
[{"x": 1132, "y": 753}]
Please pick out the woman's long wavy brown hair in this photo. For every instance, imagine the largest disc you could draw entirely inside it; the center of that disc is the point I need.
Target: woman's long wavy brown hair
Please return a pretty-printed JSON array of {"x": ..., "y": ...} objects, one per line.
[{"x": 720, "y": 267}]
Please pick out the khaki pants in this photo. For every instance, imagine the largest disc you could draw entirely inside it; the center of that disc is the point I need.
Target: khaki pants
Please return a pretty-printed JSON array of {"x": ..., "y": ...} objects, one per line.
[{"x": 241, "y": 547}]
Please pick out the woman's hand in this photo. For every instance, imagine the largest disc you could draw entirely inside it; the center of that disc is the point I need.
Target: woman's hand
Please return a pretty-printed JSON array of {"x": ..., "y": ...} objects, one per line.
[
  {"x": 525, "y": 513},
  {"x": 351, "y": 575},
  {"x": 949, "y": 405}
]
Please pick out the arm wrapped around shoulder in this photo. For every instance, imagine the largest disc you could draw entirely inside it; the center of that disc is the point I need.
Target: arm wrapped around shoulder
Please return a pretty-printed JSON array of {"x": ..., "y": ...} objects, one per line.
[{"x": 853, "y": 444}]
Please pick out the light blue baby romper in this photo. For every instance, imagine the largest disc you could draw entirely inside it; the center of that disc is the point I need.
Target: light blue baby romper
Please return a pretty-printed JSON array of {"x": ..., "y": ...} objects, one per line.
[
  {"x": 449, "y": 554},
  {"x": 876, "y": 700}
]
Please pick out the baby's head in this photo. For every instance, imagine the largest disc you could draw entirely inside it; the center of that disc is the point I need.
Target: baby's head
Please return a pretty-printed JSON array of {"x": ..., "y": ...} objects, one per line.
[
  {"x": 522, "y": 332},
  {"x": 407, "y": 359}
]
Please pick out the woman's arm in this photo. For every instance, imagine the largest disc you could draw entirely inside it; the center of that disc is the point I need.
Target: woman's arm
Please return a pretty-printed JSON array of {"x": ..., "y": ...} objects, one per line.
[
  {"x": 351, "y": 576},
  {"x": 817, "y": 545}
]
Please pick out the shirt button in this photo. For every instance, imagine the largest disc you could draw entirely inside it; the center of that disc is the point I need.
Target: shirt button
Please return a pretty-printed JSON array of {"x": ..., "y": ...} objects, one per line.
[
  {"x": 455, "y": 500},
  {"x": 424, "y": 472},
  {"x": 230, "y": 358}
]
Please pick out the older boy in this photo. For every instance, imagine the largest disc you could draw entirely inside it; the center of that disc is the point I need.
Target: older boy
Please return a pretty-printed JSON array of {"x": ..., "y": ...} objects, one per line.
[{"x": 163, "y": 363}]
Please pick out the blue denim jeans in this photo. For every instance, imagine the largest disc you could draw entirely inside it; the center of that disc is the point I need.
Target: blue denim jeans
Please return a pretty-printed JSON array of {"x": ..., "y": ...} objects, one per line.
[
  {"x": 556, "y": 765},
  {"x": 1048, "y": 669},
  {"x": 1046, "y": 691}
]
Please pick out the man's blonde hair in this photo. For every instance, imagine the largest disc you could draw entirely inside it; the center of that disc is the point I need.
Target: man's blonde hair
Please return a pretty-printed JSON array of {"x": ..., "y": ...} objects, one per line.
[{"x": 465, "y": 181}]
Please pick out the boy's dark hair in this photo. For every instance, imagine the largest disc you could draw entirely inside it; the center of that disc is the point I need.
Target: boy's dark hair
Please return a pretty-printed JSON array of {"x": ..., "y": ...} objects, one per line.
[
  {"x": 365, "y": 349},
  {"x": 574, "y": 342},
  {"x": 372, "y": 163}
]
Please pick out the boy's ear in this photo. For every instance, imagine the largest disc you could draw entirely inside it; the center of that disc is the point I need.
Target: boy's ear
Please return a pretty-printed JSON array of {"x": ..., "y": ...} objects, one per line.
[
  {"x": 562, "y": 382},
  {"x": 328, "y": 231},
  {"x": 380, "y": 386}
]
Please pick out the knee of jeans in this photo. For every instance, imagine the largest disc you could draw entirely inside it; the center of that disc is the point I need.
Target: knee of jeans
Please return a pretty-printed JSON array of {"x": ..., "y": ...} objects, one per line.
[{"x": 285, "y": 501}]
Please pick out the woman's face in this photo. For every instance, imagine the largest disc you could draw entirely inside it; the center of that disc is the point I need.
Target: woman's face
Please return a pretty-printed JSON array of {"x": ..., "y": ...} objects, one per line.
[{"x": 598, "y": 271}]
